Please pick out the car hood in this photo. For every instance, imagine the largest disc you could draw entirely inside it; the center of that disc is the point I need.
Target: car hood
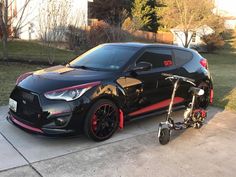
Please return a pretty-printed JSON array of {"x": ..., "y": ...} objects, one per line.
[{"x": 61, "y": 76}]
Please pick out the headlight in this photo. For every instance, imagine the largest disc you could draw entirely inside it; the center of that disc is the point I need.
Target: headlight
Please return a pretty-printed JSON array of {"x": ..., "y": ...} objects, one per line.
[{"x": 70, "y": 93}]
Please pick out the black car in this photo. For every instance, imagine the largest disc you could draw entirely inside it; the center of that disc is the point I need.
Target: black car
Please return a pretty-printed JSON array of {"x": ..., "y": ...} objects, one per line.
[{"x": 104, "y": 87}]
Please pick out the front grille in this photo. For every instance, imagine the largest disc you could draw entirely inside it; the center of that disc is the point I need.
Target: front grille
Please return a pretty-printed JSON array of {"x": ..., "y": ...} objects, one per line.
[{"x": 28, "y": 106}]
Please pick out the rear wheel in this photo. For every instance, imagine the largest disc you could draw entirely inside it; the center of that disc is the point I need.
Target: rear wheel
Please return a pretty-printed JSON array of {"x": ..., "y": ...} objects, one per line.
[
  {"x": 204, "y": 100},
  {"x": 102, "y": 120}
]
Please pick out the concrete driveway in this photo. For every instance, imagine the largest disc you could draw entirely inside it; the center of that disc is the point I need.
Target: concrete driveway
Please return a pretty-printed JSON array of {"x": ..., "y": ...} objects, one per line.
[{"x": 134, "y": 151}]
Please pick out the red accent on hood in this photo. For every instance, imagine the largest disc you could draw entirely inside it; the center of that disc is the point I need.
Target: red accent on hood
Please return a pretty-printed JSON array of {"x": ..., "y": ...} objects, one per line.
[
  {"x": 22, "y": 77},
  {"x": 25, "y": 126},
  {"x": 156, "y": 106},
  {"x": 121, "y": 119}
]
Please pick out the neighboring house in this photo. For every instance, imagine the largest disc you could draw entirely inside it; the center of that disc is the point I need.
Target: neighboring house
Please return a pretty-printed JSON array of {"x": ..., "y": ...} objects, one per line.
[
  {"x": 230, "y": 22},
  {"x": 226, "y": 9},
  {"x": 179, "y": 36},
  {"x": 31, "y": 23}
]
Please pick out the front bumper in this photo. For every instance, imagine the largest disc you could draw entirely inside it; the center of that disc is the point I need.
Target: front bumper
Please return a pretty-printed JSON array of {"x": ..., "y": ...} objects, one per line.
[
  {"x": 37, "y": 114},
  {"x": 43, "y": 131}
]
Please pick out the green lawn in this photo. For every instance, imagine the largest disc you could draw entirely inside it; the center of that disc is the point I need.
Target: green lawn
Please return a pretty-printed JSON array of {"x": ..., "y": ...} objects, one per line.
[
  {"x": 33, "y": 51},
  {"x": 8, "y": 76},
  {"x": 223, "y": 70}
]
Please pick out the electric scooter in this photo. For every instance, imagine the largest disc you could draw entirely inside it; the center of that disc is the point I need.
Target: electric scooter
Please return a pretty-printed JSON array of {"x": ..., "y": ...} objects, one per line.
[{"x": 193, "y": 115}]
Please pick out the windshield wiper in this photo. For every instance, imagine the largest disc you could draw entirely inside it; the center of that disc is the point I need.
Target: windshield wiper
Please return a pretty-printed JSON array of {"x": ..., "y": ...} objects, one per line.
[{"x": 83, "y": 67}]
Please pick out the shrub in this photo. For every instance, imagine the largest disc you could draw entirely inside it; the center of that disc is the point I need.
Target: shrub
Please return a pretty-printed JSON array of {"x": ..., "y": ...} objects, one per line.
[
  {"x": 213, "y": 42},
  {"x": 102, "y": 32},
  {"x": 76, "y": 37}
]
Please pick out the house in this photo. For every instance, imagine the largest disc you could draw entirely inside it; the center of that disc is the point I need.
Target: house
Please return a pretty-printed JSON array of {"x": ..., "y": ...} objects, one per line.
[
  {"x": 230, "y": 22},
  {"x": 195, "y": 35},
  {"x": 226, "y": 9},
  {"x": 33, "y": 18}
]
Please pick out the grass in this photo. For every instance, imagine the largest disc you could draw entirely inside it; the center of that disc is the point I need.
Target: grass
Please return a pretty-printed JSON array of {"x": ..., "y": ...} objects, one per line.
[
  {"x": 34, "y": 51},
  {"x": 8, "y": 75},
  {"x": 223, "y": 69}
]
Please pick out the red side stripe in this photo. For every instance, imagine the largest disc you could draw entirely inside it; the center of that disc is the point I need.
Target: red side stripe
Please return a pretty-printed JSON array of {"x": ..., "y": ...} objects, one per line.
[
  {"x": 26, "y": 126},
  {"x": 156, "y": 106}
]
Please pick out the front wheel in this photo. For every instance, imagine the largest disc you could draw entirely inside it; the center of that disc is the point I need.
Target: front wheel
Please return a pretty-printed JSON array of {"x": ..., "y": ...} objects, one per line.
[
  {"x": 164, "y": 136},
  {"x": 102, "y": 120}
]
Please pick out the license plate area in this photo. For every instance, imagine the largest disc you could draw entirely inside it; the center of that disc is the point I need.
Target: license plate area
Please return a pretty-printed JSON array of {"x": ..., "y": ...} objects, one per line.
[{"x": 13, "y": 105}]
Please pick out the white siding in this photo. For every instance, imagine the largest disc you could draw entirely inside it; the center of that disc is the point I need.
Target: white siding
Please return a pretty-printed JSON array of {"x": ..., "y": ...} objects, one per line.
[
  {"x": 30, "y": 25},
  {"x": 179, "y": 37}
]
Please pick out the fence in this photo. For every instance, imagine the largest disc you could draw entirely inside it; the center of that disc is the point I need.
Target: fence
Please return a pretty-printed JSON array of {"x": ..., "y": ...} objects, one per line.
[{"x": 160, "y": 37}]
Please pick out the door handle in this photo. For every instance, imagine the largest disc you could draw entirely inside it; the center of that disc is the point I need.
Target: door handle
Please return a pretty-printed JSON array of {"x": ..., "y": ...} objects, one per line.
[{"x": 157, "y": 84}]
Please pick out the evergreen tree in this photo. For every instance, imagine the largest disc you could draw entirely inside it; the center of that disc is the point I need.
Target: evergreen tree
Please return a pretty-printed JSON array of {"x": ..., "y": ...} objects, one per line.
[
  {"x": 144, "y": 15},
  {"x": 113, "y": 12}
]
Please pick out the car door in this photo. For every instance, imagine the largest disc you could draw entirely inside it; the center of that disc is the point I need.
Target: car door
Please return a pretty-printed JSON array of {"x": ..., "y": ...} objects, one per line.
[
  {"x": 156, "y": 91},
  {"x": 155, "y": 87}
]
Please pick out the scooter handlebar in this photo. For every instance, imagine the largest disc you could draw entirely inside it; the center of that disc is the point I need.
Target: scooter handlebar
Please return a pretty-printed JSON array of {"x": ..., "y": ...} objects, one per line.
[{"x": 175, "y": 77}]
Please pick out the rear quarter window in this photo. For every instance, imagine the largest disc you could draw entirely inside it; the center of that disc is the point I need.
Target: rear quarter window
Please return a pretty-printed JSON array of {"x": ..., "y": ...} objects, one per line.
[{"x": 182, "y": 57}]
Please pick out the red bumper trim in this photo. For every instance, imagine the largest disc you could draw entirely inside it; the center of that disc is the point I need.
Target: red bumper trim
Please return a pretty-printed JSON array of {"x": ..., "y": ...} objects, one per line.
[
  {"x": 25, "y": 126},
  {"x": 156, "y": 106}
]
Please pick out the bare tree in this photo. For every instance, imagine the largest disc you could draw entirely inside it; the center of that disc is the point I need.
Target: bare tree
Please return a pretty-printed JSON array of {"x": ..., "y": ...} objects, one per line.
[
  {"x": 7, "y": 20},
  {"x": 4, "y": 26},
  {"x": 189, "y": 15},
  {"x": 54, "y": 19}
]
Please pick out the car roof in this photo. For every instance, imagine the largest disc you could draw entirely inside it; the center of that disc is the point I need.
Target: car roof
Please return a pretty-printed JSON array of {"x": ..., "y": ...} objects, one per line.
[{"x": 145, "y": 45}]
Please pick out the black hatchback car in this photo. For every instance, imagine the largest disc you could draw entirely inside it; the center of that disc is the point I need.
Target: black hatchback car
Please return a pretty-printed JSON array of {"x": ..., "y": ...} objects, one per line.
[{"x": 98, "y": 91}]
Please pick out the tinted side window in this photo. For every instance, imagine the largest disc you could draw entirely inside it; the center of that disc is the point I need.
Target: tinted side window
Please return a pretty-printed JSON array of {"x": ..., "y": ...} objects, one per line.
[
  {"x": 182, "y": 57},
  {"x": 158, "y": 58}
]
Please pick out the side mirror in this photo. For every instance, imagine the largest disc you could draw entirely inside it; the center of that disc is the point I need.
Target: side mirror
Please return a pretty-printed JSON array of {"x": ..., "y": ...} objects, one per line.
[{"x": 142, "y": 66}]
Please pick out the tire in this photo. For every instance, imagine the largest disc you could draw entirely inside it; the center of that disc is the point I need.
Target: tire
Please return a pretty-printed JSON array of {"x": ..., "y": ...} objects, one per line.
[
  {"x": 204, "y": 100},
  {"x": 164, "y": 136},
  {"x": 198, "y": 125},
  {"x": 102, "y": 120}
]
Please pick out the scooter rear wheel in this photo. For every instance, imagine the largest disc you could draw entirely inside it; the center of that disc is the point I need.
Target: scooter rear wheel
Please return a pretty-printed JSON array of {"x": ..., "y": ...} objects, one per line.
[{"x": 164, "y": 136}]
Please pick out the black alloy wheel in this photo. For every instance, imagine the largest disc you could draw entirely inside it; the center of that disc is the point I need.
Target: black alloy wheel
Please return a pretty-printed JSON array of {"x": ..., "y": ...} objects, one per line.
[{"x": 102, "y": 120}]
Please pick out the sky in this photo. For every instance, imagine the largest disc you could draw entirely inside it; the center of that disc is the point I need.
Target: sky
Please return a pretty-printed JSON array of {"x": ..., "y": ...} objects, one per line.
[{"x": 227, "y": 5}]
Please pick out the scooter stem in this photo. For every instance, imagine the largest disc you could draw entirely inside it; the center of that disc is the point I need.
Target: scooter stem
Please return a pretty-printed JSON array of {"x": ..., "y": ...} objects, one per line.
[{"x": 172, "y": 100}]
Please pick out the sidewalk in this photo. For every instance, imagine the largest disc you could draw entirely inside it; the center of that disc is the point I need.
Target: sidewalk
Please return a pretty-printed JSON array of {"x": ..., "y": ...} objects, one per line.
[{"x": 134, "y": 151}]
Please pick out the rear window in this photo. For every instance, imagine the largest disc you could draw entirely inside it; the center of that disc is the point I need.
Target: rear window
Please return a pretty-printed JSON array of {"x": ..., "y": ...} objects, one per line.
[{"x": 182, "y": 57}]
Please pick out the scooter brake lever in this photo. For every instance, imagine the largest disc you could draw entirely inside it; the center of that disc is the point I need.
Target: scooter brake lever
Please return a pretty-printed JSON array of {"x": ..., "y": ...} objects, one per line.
[
  {"x": 191, "y": 82},
  {"x": 169, "y": 78}
]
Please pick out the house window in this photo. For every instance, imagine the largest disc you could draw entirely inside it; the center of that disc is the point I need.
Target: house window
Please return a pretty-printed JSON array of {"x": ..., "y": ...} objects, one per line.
[{"x": 194, "y": 37}]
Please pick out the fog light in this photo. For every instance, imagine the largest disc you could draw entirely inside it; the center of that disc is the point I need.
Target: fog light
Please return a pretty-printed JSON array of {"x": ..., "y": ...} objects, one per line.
[{"x": 60, "y": 122}]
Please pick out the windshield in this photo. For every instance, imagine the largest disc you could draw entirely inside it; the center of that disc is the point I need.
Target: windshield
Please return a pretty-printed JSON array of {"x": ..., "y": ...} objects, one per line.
[{"x": 105, "y": 57}]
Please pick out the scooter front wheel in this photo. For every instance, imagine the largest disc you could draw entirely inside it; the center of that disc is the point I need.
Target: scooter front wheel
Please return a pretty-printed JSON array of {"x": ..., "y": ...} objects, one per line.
[{"x": 164, "y": 137}]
